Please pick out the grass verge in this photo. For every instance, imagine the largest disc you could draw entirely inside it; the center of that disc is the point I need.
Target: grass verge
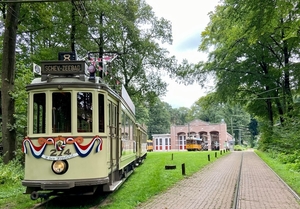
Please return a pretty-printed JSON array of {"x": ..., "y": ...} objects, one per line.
[{"x": 290, "y": 177}]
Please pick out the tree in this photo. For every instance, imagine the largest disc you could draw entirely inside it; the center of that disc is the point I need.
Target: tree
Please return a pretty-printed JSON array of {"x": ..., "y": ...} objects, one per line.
[
  {"x": 208, "y": 109},
  {"x": 253, "y": 128},
  {"x": 8, "y": 78},
  {"x": 179, "y": 116},
  {"x": 128, "y": 27},
  {"x": 159, "y": 119},
  {"x": 142, "y": 60},
  {"x": 252, "y": 54}
]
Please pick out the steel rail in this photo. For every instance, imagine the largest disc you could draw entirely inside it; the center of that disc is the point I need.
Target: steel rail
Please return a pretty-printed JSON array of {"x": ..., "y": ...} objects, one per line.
[{"x": 237, "y": 186}]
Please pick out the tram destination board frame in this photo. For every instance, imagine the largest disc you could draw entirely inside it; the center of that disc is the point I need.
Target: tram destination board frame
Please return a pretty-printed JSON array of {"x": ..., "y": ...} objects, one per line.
[{"x": 63, "y": 67}]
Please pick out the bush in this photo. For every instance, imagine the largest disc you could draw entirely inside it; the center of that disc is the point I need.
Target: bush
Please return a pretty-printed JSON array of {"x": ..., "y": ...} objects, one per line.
[
  {"x": 238, "y": 148},
  {"x": 12, "y": 172},
  {"x": 289, "y": 158}
]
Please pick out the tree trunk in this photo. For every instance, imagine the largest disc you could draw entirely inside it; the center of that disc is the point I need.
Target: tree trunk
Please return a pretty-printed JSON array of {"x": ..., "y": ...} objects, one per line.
[
  {"x": 8, "y": 77},
  {"x": 73, "y": 27}
]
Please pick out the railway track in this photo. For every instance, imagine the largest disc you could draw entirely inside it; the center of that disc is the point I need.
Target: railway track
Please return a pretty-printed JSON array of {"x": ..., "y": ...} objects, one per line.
[
  {"x": 91, "y": 201},
  {"x": 237, "y": 186},
  {"x": 243, "y": 197}
]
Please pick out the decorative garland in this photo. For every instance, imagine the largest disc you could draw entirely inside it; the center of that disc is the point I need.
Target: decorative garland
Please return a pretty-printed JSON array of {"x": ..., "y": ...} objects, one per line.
[{"x": 59, "y": 144}]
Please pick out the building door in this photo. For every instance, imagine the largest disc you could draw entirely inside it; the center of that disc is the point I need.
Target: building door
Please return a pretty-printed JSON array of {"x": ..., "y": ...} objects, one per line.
[{"x": 182, "y": 142}]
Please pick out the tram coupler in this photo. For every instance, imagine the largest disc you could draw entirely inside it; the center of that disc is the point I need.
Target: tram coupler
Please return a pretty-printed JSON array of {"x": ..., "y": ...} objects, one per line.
[{"x": 35, "y": 195}]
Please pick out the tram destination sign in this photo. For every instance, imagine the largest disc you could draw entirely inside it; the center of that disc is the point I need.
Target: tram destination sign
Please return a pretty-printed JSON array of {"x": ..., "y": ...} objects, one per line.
[{"x": 63, "y": 67}]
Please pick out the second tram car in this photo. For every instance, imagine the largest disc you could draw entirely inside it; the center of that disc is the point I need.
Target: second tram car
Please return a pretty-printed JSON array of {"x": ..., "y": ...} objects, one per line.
[
  {"x": 149, "y": 145},
  {"x": 193, "y": 144},
  {"x": 81, "y": 135}
]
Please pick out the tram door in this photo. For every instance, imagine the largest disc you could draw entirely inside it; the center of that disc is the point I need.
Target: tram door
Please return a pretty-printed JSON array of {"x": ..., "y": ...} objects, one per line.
[{"x": 113, "y": 137}]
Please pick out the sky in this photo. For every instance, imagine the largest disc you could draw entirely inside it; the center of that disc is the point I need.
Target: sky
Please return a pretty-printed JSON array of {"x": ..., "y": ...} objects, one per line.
[{"x": 189, "y": 18}]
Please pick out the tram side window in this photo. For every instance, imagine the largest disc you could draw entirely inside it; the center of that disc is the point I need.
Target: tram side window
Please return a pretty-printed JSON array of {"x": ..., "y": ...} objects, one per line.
[
  {"x": 131, "y": 132},
  {"x": 123, "y": 125},
  {"x": 113, "y": 118},
  {"x": 116, "y": 119},
  {"x": 39, "y": 113},
  {"x": 84, "y": 112},
  {"x": 101, "y": 112},
  {"x": 61, "y": 112}
]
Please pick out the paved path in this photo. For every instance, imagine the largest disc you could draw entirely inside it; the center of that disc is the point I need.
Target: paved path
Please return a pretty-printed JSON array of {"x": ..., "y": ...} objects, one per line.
[{"x": 214, "y": 187}]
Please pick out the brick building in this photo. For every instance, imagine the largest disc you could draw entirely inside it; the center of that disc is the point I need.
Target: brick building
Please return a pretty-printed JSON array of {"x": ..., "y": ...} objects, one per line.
[{"x": 213, "y": 136}]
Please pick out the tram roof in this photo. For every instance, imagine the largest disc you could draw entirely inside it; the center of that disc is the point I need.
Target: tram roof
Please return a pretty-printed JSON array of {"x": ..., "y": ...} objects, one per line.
[
  {"x": 74, "y": 74},
  {"x": 194, "y": 138}
]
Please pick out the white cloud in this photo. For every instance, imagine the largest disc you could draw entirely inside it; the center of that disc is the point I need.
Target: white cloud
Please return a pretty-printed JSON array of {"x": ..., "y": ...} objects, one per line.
[{"x": 188, "y": 18}]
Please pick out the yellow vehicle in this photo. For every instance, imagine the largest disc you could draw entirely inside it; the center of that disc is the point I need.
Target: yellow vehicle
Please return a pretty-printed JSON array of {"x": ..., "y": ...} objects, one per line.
[
  {"x": 193, "y": 144},
  {"x": 81, "y": 134},
  {"x": 149, "y": 145}
]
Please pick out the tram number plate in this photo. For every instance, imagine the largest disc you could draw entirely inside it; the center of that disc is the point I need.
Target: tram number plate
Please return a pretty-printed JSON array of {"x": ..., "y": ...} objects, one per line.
[{"x": 54, "y": 152}]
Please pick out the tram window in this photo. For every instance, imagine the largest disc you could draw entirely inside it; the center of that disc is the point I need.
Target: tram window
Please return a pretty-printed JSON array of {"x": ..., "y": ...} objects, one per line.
[
  {"x": 101, "y": 112},
  {"x": 84, "y": 112},
  {"x": 113, "y": 117},
  {"x": 127, "y": 127},
  {"x": 61, "y": 112},
  {"x": 123, "y": 122},
  {"x": 131, "y": 129},
  {"x": 39, "y": 113},
  {"x": 109, "y": 115}
]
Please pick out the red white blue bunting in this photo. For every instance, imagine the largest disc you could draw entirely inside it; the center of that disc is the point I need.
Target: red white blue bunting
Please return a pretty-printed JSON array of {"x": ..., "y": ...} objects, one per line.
[
  {"x": 60, "y": 143},
  {"x": 84, "y": 150}
]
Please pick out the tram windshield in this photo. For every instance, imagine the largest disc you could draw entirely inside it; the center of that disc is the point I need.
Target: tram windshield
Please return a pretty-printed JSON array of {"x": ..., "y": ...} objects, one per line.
[
  {"x": 84, "y": 112},
  {"x": 61, "y": 112},
  {"x": 60, "y": 115},
  {"x": 39, "y": 113},
  {"x": 150, "y": 143},
  {"x": 193, "y": 141}
]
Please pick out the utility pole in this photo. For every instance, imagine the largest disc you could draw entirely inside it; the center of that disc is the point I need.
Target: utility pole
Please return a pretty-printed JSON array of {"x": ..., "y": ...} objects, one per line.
[{"x": 231, "y": 127}]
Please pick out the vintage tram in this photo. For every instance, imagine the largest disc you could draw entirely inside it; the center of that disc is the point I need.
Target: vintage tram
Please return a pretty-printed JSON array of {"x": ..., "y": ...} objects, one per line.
[
  {"x": 81, "y": 135},
  {"x": 193, "y": 144},
  {"x": 149, "y": 145}
]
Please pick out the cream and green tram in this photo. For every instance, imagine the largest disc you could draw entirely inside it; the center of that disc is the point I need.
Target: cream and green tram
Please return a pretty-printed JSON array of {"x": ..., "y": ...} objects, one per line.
[{"x": 81, "y": 134}]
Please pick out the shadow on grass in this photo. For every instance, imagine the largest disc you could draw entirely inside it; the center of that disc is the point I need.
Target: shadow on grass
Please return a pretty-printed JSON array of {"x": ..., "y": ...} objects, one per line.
[{"x": 75, "y": 202}]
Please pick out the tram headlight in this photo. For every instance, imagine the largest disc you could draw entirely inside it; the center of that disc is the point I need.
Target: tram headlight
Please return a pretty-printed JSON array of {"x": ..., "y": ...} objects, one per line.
[{"x": 60, "y": 166}]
